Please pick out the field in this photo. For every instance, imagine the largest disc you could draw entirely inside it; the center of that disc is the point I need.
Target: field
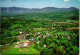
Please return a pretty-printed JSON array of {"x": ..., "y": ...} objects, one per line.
[{"x": 49, "y": 33}]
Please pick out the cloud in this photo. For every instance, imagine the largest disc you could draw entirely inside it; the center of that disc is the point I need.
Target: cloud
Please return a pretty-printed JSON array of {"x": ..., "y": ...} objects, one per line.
[{"x": 66, "y": 0}]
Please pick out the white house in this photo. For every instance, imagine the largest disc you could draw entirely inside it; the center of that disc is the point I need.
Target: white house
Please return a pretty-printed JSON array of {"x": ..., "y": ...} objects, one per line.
[
  {"x": 20, "y": 32},
  {"x": 38, "y": 33},
  {"x": 27, "y": 34},
  {"x": 37, "y": 42},
  {"x": 44, "y": 45},
  {"x": 25, "y": 44},
  {"x": 17, "y": 43},
  {"x": 47, "y": 33}
]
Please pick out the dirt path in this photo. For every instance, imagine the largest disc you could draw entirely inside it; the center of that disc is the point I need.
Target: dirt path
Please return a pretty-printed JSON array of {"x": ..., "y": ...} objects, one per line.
[
  {"x": 67, "y": 22},
  {"x": 73, "y": 28},
  {"x": 23, "y": 50},
  {"x": 61, "y": 22}
]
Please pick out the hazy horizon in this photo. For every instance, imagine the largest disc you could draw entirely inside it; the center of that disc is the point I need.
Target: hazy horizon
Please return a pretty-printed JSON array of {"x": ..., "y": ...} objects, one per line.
[
  {"x": 43, "y": 7},
  {"x": 40, "y": 3}
]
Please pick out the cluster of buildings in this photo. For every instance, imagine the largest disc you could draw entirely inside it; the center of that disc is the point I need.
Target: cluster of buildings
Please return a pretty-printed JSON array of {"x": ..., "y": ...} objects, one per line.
[{"x": 31, "y": 39}]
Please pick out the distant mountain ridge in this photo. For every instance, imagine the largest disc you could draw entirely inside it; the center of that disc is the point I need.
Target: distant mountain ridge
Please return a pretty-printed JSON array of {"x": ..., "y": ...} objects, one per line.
[{"x": 19, "y": 9}]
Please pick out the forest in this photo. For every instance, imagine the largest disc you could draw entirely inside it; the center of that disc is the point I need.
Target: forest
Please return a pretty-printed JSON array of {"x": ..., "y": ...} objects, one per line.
[{"x": 53, "y": 33}]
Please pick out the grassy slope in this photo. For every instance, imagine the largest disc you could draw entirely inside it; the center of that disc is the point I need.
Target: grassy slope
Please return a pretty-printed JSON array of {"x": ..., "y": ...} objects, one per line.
[{"x": 12, "y": 50}]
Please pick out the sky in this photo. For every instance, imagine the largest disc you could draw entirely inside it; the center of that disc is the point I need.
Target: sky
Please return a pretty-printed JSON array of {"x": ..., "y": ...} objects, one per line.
[{"x": 40, "y": 3}]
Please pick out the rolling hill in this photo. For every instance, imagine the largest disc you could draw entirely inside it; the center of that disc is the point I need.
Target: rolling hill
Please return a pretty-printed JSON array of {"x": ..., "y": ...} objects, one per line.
[{"x": 20, "y": 9}]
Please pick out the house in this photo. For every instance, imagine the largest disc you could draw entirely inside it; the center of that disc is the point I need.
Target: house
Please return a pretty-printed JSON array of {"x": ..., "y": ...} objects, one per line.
[
  {"x": 29, "y": 29},
  {"x": 34, "y": 35},
  {"x": 28, "y": 42},
  {"x": 22, "y": 36},
  {"x": 41, "y": 35},
  {"x": 44, "y": 45},
  {"x": 47, "y": 33},
  {"x": 38, "y": 33},
  {"x": 68, "y": 37},
  {"x": 37, "y": 42},
  {"x": 25, "y": 44},
  {"x": 44, "y": 35},
  {"x": 18, "y": 43},
  {"x": 62, "y": 35},
  {"x": 27, "y": 34},
  {"x": 20, "y": 32}
]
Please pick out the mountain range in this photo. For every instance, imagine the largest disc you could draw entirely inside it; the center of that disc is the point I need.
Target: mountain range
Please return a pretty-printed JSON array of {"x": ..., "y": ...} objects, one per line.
[{"x": 20, "y": 9}]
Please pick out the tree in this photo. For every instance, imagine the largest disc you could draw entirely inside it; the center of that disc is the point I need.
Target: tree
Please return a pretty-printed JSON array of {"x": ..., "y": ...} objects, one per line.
[
  {"x": 46, "y": 51},
  {"x": 41, "y": 43}
]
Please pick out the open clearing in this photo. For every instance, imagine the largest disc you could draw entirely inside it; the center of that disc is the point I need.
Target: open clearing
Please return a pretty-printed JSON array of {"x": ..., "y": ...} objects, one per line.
[{"x": 12, "y": 50}]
